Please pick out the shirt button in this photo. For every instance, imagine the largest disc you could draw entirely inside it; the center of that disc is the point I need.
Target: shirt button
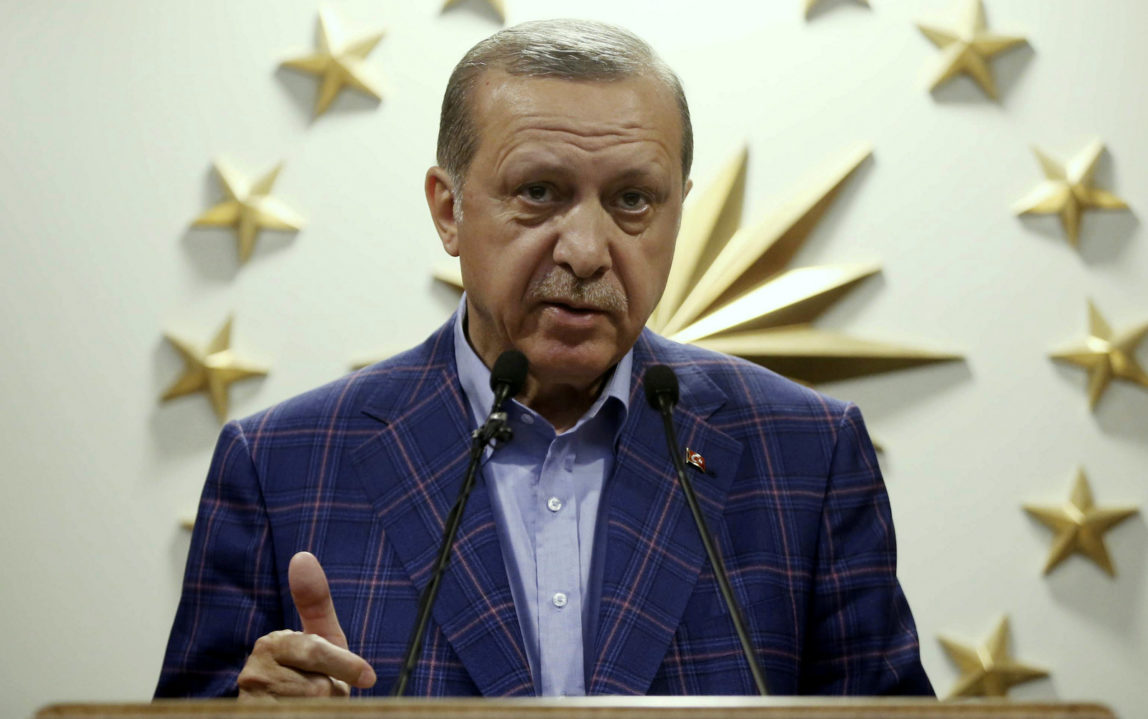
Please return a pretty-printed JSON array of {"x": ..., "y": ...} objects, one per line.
[
  {"x": 527, "y": 419},
  {"x": 559, "y": 600},
  {"x": 569, "y": 463},
  {"x": 554, "y": 504}
]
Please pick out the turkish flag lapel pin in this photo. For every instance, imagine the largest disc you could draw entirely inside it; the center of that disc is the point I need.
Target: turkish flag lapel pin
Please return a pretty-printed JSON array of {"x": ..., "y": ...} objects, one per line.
[{"x": 696, "y": 459}]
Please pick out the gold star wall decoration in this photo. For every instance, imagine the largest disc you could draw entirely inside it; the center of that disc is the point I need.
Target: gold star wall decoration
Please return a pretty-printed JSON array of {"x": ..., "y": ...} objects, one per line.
[
  {"x": 1067, "y": 190},
  {"x": 498, "y": 6},
  {"x": 988, "y": 670},
  {"x": 1107, "y": 355},
  {"x": 249, "y": 208},
  {"x": 1080, "y": 526},
  {"x": 968, "y": 47},
  {"x": 729, "y": 289},
  {"x": 211, "y": 370},
  {"x": 810, "y": 4},
  {"x": 338, "y": 63}
]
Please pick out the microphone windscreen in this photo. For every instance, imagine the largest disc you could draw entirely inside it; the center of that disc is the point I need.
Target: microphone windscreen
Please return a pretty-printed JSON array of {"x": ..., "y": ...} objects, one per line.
[
  {"x": 661, "y": 381},
  {"x": 510, "y": 370}
]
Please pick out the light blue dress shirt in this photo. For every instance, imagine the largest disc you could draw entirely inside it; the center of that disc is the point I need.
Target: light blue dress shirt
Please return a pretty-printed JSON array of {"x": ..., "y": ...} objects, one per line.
[{"x": 545, "y": 490}]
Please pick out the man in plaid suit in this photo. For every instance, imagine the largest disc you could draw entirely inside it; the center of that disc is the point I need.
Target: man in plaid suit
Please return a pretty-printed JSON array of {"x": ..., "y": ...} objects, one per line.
[{"x": 564, "y": 155}]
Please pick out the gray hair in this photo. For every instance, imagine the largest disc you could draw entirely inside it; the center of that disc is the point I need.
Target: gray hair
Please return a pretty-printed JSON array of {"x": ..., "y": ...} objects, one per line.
[{"x": 564, "y": 49}]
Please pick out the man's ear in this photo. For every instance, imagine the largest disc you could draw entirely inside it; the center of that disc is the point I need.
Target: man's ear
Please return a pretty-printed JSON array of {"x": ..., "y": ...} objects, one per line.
[
  {"x": 689, "y": 186},
  {"x": 440, "y": 199}
]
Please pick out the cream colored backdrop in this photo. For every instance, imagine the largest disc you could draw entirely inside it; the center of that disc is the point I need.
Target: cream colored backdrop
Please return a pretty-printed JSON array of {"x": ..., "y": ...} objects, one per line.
[{"x": 114, "y": 109}]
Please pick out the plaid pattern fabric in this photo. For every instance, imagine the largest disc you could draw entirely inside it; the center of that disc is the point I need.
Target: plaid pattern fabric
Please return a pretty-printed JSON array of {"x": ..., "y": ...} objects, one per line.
[{"x": 362, "y": 473}]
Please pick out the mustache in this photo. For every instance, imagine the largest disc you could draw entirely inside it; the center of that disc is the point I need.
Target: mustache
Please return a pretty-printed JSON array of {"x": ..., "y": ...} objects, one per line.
[{"x": 561, "y": 286}]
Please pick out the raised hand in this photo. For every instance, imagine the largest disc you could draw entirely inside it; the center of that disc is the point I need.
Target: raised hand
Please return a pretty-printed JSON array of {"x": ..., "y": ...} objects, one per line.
[{"x": 314, "y": 662}]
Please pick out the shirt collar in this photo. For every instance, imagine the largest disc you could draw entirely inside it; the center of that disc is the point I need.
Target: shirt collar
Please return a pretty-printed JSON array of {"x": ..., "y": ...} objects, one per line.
[{"x": 475, "y": 379}]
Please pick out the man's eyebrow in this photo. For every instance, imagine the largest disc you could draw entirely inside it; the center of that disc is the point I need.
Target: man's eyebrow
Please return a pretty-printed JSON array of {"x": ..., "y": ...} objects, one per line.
[
  {"x": 536, "y": 165},
  {"x": 639, "y": 173}
]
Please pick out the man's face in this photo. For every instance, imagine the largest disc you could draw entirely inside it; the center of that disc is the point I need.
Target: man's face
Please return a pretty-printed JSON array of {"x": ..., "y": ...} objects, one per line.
[{"x": 571, "y": 207}]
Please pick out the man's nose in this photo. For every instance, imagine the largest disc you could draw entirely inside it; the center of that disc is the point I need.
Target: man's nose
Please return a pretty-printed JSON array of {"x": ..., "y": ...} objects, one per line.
[{"x": 583, "y": 243}]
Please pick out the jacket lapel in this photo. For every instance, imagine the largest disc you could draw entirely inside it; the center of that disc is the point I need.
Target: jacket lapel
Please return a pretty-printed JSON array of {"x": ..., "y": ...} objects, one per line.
[
  {"x": 412, "y": 470},
  {"x": 653, "y": 553}
]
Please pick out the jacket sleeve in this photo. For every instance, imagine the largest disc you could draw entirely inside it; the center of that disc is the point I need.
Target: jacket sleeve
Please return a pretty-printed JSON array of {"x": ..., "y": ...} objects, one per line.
[
  {"x": 860, "y": 638},
  {"x": 231, "y": 594}
]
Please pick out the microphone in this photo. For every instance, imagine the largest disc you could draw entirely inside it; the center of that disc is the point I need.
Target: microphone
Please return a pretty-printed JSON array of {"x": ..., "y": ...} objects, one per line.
[
  {"x": 662, "y": 393},
  {"x": 661, "y": 388},
  {"x": 506, "y": 379},
  {"x": 508, "y": 376}
]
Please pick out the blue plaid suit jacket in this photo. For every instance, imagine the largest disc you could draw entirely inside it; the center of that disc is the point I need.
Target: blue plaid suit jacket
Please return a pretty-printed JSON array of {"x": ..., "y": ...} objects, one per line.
[{"x": 362, "y": 473}]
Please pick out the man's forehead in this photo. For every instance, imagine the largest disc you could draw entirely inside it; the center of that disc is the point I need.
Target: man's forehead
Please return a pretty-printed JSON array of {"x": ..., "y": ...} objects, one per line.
[
  {"x": 496, "y": 86},
  {"x": 501, "y": 99}
]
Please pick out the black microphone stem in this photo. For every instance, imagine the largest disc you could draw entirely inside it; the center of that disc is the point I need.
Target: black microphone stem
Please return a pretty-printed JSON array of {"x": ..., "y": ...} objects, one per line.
[
  {"x": 711, "y": 551},
  {"x": 495, "y": 428},
  {"x": 430, "y": 592}
]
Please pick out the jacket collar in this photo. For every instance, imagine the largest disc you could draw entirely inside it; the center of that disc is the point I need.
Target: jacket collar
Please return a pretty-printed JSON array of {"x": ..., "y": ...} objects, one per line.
[
  {"x": 412, "y": 470},
  {"x": 653, "y": 554}
]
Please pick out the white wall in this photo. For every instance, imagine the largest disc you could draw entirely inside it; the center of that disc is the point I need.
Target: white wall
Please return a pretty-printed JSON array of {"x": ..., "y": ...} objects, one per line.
[{"x": 113, "y": 110}]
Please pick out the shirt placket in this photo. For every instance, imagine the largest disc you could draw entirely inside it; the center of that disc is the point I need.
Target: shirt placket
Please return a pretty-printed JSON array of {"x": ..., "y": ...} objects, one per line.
[{"x": 559, "y": 599}]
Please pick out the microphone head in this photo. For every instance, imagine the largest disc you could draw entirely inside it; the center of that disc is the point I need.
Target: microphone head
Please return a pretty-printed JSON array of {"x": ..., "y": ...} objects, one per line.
[
  {"x": 661, "y": 382},
  {"x": 509, "y": 370}
]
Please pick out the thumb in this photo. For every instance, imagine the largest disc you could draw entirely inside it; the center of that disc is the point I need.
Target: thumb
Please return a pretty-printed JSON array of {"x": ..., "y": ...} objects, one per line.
[{"x": 312, "y": 599}]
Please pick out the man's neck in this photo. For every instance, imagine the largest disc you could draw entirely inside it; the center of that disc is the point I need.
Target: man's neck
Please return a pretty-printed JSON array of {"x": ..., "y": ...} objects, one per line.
[{"x": 562, "y": 405}]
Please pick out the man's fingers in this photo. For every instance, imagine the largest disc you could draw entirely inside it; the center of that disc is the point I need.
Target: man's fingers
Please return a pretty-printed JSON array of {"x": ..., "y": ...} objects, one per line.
[
  {"x": 263, "y": 679},
  {"x": 312, "y": 599},
  {"x": 312, "y": 653},
  {"x": 311, "y": 663},
  {"x": 306, "y": 654},
  {"x": 334, "y": 687}
]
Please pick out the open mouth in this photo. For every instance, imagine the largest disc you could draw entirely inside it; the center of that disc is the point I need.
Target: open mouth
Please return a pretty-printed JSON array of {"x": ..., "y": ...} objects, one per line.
[
  {"x": 572, "y": 309},
  {"x": 572, "y": 316}
]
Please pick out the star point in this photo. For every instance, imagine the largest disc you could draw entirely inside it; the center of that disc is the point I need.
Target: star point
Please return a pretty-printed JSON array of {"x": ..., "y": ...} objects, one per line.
[
  {"x": 249, "y": 208},
  {"x": 988, "y": 670},
  {"x": 810, "y": 4},
  {"x": 498, "y": 6},
  {"x": 968, "y": 48},
  {"x": 212, "y": 369},
  {"x": 337, "y": 63},
  {"x": 1080, "y": 526},
  {"x": 1106, "y": 355},
  {"x": 1067, "y": 190}
]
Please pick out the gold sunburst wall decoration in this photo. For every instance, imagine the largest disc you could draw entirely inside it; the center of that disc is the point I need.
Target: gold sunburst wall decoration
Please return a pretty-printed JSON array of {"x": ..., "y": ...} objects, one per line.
[{"x": 730, "y": 289}]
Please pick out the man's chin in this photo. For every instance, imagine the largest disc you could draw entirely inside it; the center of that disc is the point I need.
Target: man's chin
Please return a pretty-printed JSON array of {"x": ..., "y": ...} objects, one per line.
[{"x": 558, "y": 364}]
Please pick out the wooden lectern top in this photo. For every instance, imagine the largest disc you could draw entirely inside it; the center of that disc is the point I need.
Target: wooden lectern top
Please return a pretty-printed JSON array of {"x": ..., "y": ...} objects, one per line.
[{"x": 585, "y": 708}]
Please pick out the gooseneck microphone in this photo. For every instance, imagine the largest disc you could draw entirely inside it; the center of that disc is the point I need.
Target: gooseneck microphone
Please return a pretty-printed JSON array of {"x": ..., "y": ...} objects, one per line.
[
  {"x": 506, "y": 379},
  {"x": 662, "y": 394}
]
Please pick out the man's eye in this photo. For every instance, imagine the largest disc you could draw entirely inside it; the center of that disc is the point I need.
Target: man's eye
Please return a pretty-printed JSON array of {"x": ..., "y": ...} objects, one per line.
[
  {"x": 537, "y": 193},
  {"x": 633, "y": 200}
]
